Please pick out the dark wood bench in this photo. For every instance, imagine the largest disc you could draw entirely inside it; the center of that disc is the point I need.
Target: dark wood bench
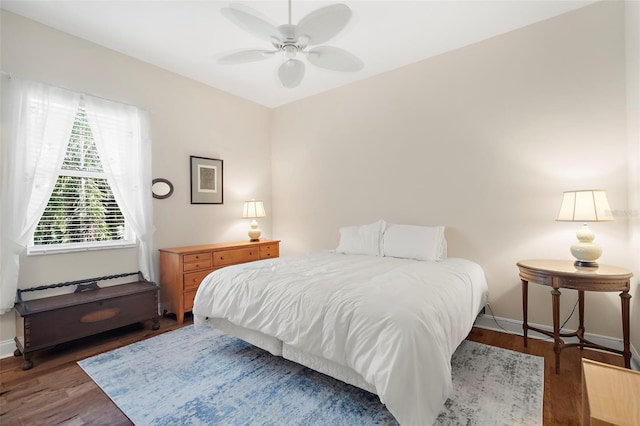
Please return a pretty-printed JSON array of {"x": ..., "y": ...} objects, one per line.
[{"x": 45, "y": 322}]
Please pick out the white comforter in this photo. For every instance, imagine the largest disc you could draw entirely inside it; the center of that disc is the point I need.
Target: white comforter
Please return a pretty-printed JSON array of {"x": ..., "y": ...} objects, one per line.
[{"x": 397, "y": 322}]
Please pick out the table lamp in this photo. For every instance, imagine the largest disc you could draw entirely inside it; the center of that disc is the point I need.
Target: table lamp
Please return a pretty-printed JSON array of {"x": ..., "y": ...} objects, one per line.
[
  {"x": 252, "y": 210},
  {"x": 585, "y": 206}
]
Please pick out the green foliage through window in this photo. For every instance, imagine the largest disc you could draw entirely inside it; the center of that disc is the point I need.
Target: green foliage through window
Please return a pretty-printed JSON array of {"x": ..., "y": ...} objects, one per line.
[{"x": 82, "y": 208}]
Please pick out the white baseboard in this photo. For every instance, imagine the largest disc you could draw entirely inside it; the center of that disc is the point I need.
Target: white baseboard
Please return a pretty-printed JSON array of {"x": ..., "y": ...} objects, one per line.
[
  {"x": 510, "y": 326},
  {"x": 6, "y": 348}
]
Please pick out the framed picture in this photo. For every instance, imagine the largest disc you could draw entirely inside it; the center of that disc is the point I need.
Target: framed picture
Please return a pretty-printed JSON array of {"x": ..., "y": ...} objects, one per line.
[{"x": 206, "y": 180}]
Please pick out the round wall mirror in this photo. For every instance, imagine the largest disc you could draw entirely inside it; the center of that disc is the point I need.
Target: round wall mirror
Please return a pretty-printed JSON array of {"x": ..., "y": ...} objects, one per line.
[{"x": 161, "y": 188}]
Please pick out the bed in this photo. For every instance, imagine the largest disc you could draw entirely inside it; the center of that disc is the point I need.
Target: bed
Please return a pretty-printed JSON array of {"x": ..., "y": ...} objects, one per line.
[{"x": 386, "y": 324}]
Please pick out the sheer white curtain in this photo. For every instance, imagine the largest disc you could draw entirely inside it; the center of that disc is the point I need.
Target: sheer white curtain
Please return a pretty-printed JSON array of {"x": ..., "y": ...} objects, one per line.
[
  {"x": 40, "y": 119},
  {"x": 122, "y": 139}
]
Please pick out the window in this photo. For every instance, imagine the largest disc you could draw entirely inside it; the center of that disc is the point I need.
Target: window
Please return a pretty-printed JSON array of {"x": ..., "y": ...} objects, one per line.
[
  {"x": 82, "y": 212},
  {"x": 39, "y": 122}
]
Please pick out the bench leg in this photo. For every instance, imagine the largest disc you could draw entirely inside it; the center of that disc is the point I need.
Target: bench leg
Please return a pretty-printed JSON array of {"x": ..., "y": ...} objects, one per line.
[
  {"x": 156, "y": 323},
  {"x": 27, "y": 364}
]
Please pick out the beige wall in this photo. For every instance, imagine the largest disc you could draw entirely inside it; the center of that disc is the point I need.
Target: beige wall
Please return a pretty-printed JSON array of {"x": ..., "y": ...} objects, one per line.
[
  {"x": 483, "y": 140},
  {"x": 187, "y": 118}
]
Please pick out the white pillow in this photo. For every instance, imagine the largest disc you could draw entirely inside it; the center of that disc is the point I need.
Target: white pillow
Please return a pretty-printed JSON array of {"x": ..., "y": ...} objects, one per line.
[
  {"x": 415, "y": 242},
  {"x": 364, "y": 239}
]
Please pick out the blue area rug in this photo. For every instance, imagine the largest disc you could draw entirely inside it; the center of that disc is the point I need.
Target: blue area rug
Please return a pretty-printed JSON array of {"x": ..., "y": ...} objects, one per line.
[{"x": 205, "y": 377}]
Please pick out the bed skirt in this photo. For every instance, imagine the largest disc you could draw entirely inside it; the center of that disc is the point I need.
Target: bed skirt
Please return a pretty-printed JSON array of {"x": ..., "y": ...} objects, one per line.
[{"x": 277, "y": 347}]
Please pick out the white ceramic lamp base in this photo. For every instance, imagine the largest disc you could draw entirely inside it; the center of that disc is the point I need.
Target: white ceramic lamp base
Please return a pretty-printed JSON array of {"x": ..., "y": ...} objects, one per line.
[
  {"x": 585, "y": 250},
  {"x": 254, "y": 232}
]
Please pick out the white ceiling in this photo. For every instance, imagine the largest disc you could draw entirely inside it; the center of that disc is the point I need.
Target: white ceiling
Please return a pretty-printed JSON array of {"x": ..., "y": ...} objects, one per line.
[{"x": 187, "y": 36}]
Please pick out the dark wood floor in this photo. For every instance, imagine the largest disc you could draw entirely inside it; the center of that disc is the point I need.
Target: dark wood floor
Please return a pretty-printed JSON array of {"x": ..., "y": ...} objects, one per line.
[{"x": 57, "y": 391}]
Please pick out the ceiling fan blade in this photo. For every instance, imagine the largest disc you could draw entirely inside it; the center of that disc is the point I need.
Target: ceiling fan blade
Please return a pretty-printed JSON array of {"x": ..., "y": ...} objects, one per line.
[
  {"x": 251, "y": 21},
  {"x": 323, "y": 24},
  {"x": 245, "y": 56},
  {"x": 335, "y": 59},
  {"x": 291, "y": 73}
]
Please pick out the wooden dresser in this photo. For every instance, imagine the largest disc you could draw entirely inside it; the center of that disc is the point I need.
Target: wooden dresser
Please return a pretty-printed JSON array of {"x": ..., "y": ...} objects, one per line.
[{"x": 182, "y": 269}]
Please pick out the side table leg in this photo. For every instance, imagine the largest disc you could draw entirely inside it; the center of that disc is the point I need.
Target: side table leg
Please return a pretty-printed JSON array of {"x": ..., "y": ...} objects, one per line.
[
  {"x": 625, "y": 298},
  {"x": 555, "y": 293},
  {"x": 580, "y": 331},
  {"x": 525, "y": 307}
]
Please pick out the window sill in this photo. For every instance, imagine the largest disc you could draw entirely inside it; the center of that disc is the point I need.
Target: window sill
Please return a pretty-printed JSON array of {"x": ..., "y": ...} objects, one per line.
[{"x": 45, "y": 250}]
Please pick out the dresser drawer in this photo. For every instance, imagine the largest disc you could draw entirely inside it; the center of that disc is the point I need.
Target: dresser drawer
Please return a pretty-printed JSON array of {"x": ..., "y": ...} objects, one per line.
[
  {"x": 188, "y": 300},
  {"x": 204, "y": 262},
  {"x": 231, "y": 257},
  {"x": 193, "y": 279},
  {"x": 197, "y": 257},
  {"x": 268, "y": 251}
]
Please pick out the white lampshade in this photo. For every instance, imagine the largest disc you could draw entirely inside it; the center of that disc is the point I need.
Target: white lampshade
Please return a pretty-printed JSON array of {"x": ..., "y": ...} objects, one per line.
[
  {"x": 585, "y": 206},
  {"x": 252, "y": 210}
]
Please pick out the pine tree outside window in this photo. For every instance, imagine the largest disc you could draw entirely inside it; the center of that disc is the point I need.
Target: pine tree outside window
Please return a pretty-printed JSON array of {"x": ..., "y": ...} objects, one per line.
[{"x": 82, "y": 213}]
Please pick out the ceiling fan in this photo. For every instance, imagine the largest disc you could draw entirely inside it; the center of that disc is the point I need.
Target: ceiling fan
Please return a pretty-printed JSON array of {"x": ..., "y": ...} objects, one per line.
[{"x": 294, "y": 41}]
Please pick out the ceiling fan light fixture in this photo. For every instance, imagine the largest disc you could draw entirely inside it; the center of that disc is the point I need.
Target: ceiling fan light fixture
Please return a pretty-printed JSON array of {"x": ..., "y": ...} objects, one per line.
[
  {"x": 291, "y": 72},
  {"x": 290, "y": 51}
]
